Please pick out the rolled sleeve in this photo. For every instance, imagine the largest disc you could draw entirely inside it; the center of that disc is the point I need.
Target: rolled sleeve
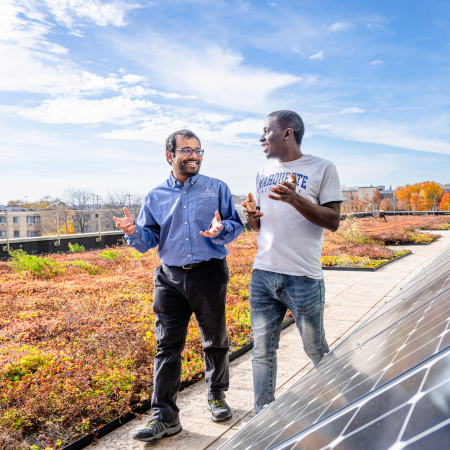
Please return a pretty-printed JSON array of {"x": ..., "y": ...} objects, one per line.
[{"x": 146, "y": 235}]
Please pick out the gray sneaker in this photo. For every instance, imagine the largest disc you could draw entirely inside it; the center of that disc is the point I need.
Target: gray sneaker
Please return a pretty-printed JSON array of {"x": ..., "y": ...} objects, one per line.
[
  {"x": 156, "y": 430},
  {"x": 219, "y": 410}
]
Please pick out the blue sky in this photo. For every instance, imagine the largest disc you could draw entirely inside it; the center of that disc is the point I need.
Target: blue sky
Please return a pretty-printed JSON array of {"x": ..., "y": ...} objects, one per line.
[{"x": 89, "y": 90}]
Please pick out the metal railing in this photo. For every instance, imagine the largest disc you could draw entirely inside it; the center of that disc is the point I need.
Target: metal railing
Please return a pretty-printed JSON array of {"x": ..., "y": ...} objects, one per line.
[
  {"x": 59, "y": 223},
  {"x": 68, "y": 222},
  {"x": 394, "y": 207}
]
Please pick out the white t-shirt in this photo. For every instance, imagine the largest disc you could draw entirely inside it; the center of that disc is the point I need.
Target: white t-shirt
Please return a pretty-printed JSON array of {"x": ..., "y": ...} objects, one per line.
[{"x": 288, "y": 243}]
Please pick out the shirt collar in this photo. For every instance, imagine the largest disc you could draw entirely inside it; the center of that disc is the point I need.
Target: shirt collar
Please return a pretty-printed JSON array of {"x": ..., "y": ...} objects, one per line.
[{"x": 174, "y": 182}]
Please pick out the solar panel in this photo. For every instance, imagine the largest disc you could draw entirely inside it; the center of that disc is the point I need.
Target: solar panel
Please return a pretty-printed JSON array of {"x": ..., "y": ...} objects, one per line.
[
  {"x": 319, "y": 411},
  {"x": 411, "y": 412}
]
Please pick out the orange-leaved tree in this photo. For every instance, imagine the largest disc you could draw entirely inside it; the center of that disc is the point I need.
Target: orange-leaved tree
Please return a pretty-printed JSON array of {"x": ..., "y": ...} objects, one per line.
[
  {"x": 386, "y": 205},
  {"x": 377, "y": 197},
  {"x": 430, "y": 193},
  {"x": 419, "y": 196},
  {"x": 403, "y": 195},
  {"x": 356, "y": 204},
  {"x": 444, "y": 205},
  {"x": 416, "y": 202}
]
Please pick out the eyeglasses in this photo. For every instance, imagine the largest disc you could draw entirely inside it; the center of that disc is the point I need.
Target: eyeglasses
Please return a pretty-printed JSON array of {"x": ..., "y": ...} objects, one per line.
[{"x": 186, "y": 151}]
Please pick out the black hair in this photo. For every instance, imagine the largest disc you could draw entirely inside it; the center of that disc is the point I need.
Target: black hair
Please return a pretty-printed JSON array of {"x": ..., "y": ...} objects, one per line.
[
  {"x": 290, "y": 119},
  {"x": 171, "y": 141}
]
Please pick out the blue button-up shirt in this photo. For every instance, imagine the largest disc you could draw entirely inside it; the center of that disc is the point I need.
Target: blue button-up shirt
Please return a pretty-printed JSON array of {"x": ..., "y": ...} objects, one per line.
[{"x": 173, "y": 215}]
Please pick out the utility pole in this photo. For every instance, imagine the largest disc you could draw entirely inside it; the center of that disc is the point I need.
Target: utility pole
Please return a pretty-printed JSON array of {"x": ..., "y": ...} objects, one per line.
[
  {"x": 129, "y": 200},
  {"x": 26, "y": 200},
  {"x": 95, "y": 196}
]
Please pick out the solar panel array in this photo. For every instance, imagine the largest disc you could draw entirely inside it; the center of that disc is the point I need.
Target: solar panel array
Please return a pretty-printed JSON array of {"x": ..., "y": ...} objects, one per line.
[{"x": 386, "y": 386}]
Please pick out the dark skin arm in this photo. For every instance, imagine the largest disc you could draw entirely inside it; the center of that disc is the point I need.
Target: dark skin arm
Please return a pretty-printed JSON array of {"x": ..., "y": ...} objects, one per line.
[
  {"x": 253, "y": 214},
  {"x": 326, "y": 216}
]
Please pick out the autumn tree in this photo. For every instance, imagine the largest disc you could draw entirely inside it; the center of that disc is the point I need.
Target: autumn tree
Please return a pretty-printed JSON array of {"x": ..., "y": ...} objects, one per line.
[
  {"x": 430, "y": 192},
  {"x": 420, "y": 196},
  {"x": 47, "y": 202},
  {"x": 444, "y": 205},
  {"x": 49, "y": 222},
  {"x": 416, "y": 203},
  {"x": 403, "y": 195},
  {"x": 377, "y": 198},
  {"x": 355, "y": 203},
  {"x": 14, "y": 202},
  {"x": 366, "y": 203},
  {"x": 386, "y": 205}
]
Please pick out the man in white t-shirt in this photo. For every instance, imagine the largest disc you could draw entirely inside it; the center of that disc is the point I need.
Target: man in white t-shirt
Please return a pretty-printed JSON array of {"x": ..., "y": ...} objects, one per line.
[{"x": 296, "y": 198}]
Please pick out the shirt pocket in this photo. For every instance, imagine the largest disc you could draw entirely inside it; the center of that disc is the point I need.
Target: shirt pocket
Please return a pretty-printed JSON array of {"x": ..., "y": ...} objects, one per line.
[{"x": 205, "y": 210}]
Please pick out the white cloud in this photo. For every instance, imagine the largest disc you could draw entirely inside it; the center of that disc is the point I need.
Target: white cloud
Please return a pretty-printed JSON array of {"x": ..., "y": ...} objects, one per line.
[
  {"x": 317, "y": 56},
  {"x": 377, "y": 62},
  {"x": 122, "y": 71},
  {"x": 339, "y": 26},
  {"x": 102, "y": 14},
  {"x": 131, "y": 79},
  {"x": 212, "y": 128},
  {"x": 30, "y": 63},
  {"x": 214, "y": 74},
  {"x": 139, "y": 91},
  {"x": 57, "y": 49},
  {"x": 401, "y": 136},
  {"x": 352, "y": 111},
  {"x": 120, "y": 109}
]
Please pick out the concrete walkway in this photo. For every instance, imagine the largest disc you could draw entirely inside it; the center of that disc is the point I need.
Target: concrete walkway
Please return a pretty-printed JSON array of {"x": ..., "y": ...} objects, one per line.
[{"x": 350, "y": 298}]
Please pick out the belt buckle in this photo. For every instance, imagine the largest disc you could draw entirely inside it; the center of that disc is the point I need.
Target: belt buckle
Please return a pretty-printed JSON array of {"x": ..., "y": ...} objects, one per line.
[{"x": 188, "y": 266}]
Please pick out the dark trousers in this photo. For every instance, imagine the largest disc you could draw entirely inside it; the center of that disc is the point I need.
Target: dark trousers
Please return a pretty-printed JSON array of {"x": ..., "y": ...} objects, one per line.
[{"x": 179, "y": 293}]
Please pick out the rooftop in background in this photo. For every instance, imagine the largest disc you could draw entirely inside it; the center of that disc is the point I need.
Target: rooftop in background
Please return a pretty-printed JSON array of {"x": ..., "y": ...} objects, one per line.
[{"x": 12, "y": 208}]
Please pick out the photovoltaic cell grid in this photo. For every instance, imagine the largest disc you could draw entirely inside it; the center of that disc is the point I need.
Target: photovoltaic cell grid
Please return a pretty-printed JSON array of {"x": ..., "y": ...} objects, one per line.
[
  {"x": 436, "y": 269},
  {"x": 433, "y": 279},
  {"x": 374, "y": 357},
  {"x": 412, "y": 412}
]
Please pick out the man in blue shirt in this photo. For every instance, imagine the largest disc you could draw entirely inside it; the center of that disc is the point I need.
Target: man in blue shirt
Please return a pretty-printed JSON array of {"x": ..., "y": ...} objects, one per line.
[{"x": 190, "y": 217}]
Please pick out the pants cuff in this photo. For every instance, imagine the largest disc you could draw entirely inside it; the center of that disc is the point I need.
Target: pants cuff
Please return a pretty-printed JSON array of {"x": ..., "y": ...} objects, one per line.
[
  {"x": 171, "y": 419},
  {"x": 216, "y": 395}
]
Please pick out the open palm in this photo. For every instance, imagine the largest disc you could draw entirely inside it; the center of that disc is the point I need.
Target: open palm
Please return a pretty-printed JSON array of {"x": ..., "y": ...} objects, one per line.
[{"x": 125, "y": 223}]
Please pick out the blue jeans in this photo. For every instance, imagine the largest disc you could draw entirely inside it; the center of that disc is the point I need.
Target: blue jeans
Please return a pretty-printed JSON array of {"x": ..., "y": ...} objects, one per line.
[{"x": 271, "y": 294}]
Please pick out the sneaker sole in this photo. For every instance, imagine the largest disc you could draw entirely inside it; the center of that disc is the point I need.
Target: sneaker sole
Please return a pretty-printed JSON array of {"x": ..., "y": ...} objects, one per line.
[{"x": 165, "y": 433}]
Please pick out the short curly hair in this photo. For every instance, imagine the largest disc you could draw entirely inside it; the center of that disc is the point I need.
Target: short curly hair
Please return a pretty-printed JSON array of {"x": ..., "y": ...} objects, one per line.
[
  {"x": 171, "y": 141},
  {"x": 290, "y": 119}
]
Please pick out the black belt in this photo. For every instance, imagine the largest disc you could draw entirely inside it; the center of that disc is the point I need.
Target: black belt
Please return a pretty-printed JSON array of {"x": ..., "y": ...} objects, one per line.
[{"x": 200, "y": 265}]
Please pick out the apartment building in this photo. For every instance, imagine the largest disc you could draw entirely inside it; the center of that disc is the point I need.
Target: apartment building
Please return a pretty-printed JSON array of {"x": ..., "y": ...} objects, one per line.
[{"x": 18, "y": 223}]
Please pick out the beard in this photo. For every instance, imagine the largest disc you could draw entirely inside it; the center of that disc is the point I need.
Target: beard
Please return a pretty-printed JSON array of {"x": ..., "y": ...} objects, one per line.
[{"x": 188, "y": 171}]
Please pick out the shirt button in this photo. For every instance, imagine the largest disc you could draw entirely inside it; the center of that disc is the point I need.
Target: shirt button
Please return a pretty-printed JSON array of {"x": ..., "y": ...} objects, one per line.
[
  {"x": 189, "y": 256},
  {"x": 187, "y": 239},
  {"x": 184, "y": 206},
  {"x": 185, "y": 223},
  {"x": 184, "y": 192}
]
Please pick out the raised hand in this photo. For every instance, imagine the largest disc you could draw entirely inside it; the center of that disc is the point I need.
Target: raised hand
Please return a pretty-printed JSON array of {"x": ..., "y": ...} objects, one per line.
[
  {"x": 285, "y": 190},
  {"x": 126, "y": 224},
  {"x": 215, "y": 227},
  {"x": 250, "y": 210}
]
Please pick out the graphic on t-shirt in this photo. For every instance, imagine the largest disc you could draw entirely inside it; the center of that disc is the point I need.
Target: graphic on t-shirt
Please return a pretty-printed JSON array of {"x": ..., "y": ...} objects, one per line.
[{"x": 277, "y": 178}]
